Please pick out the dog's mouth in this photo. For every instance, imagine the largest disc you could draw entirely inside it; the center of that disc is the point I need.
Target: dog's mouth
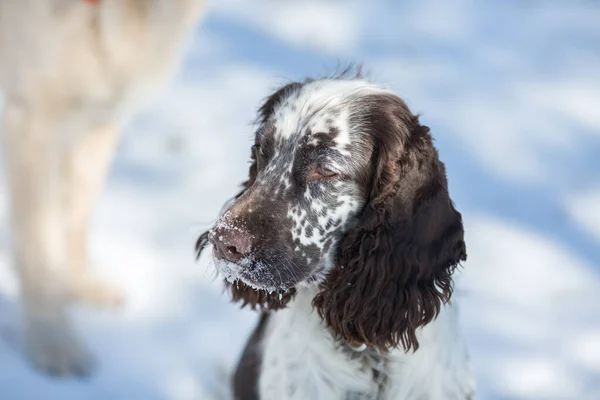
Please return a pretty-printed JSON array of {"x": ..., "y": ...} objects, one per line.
[
  {"x": 257, "y": 274},
  {"x": 275, "y": 273},
  {"x": 261, "y": 274}
]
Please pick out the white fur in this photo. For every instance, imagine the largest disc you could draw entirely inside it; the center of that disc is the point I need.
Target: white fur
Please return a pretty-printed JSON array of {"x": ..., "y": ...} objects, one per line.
[
  {"x": 72, "y": 72},
  {"x": 320, "y": 97},
  {"x": 302, "y": 361}
]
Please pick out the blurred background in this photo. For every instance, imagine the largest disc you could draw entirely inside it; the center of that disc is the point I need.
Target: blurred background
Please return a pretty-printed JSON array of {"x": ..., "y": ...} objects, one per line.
[{"x": 511, "y": 91}]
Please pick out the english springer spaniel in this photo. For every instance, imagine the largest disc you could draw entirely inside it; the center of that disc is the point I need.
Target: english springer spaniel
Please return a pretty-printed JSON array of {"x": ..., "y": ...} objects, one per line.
[{"x": 345, "y": 238}]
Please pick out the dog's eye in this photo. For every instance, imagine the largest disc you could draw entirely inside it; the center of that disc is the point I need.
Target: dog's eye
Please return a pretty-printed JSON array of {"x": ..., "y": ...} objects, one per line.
[{"x": 325, "y": 172}]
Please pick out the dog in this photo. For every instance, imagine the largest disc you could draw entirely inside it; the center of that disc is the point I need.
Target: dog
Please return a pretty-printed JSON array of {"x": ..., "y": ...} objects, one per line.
[
  {"x": 346, "y": 240},
  {"x": 72, "y": 72}
]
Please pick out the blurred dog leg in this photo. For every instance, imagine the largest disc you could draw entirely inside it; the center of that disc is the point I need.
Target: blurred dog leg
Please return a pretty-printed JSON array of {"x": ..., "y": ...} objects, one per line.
[
  {"x": 69, "y": 66},
  {"x": 84, "y": 167},
  {"x": 32, "y": 163}
]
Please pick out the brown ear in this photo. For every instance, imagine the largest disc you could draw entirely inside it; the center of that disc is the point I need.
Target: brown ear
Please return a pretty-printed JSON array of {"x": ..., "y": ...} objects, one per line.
[{"x": 395, "y": 267}]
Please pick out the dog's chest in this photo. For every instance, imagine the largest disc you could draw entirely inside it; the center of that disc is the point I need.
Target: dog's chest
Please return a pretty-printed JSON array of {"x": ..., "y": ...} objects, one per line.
[{"x": 302, "y": 361}]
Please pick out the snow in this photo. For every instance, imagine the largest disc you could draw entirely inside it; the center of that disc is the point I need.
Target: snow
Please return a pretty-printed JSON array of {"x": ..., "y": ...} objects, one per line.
[{"x": 511, "y": 93}]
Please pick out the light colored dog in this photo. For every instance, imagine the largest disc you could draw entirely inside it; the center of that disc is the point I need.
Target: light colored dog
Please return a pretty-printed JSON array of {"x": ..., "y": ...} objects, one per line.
[{"x": 72, "y": 71}]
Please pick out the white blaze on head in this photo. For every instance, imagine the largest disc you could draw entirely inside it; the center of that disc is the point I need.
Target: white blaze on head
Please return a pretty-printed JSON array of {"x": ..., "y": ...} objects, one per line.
[{"x": 314, "y": 102}]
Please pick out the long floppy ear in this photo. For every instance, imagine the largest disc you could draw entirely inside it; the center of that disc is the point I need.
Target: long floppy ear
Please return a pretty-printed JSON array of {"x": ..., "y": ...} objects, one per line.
[
  {"x": 240, "y": 292},
  {"x": 394, "y": 269}
]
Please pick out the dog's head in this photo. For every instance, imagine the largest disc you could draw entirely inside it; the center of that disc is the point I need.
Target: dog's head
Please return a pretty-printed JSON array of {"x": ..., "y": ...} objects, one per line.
[{"x": 346, "y": 191}]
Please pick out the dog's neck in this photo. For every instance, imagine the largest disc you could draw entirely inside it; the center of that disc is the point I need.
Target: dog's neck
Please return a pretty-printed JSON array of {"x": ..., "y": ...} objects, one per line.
[
  {"x": 309, "y": 359},
  {"x": 297, "y": 336}
]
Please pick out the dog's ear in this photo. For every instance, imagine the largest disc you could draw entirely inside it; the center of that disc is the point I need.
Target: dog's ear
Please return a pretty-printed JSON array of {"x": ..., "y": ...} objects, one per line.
[
  {"x": 394, "y": 269},
  {"x": 241, "y": 292}
]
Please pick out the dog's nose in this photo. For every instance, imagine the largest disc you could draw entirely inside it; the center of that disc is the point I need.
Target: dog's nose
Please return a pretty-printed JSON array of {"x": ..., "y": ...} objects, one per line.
[{"x": 231, "y": 244}]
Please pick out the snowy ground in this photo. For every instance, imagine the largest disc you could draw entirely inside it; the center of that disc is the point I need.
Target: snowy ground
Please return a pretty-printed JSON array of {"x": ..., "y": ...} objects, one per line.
[{"x": 511, "y": 91}]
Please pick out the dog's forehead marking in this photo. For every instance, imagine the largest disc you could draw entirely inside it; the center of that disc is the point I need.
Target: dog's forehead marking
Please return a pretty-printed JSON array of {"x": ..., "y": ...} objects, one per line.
[
  {"x": 319, "y": 106},
  {"x": 318, "y": 113},
  {"x": 342, "y": 139}
]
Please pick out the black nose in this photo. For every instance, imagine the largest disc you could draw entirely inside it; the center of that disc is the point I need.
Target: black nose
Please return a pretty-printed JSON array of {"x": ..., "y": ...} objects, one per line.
[{"x": 231, "y": 244}]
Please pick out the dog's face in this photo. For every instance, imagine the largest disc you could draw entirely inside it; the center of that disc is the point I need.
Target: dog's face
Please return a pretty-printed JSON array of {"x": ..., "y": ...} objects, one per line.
[
  {"x": 345, "y": 190},
  {"x": 310, "y": 180}
]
